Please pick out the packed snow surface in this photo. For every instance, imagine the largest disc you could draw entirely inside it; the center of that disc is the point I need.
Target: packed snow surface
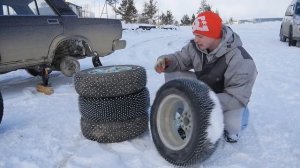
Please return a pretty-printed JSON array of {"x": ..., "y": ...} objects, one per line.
[{"x": 40, "y": 131}]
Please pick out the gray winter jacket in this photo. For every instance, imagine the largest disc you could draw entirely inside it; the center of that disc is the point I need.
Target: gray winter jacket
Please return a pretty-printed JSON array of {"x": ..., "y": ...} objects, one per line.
[{"x": 240, "y": 72}]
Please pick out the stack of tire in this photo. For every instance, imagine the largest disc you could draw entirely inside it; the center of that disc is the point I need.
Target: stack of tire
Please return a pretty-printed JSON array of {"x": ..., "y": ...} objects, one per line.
[{"x": 113, "y": 102}]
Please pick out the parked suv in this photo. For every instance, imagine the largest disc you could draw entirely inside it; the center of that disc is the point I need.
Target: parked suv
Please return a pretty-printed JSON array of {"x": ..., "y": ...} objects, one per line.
[
  {"x": 40, "y": 35},
  {"x": 290, "y": 26}
]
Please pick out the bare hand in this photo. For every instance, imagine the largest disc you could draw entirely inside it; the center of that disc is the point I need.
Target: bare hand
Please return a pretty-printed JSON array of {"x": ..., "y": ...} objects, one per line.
[{"x": 161, "y": 64}]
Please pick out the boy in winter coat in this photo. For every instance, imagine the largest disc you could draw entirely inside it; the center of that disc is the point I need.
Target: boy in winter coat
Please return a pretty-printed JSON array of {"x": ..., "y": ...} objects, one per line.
[{"x": 217, "y": 57}]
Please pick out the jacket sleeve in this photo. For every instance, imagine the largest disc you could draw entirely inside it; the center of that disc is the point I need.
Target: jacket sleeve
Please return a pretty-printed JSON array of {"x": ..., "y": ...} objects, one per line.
[
  {"x": 239, "y": 80},
  {"x": 180, "y": 60}
]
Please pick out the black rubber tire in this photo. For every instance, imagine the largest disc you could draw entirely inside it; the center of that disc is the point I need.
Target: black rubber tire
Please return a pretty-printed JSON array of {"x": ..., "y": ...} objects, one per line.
[
  {"x": 197, "y": 147},
  {"x": 110, "y": 132},
  {"x": 1, "y": 107},
  {"x": 281, "y": 36},
  {"x": 119, "y": 108},
  {"x": 110, "y": 81},
  {"x": 292, "y": 42}
]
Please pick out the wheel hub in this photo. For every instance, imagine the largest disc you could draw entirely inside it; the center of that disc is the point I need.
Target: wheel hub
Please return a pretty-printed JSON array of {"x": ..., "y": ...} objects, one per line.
[
  {"x": 175, "y": 122},
  {"x": 69, "y": 66}
]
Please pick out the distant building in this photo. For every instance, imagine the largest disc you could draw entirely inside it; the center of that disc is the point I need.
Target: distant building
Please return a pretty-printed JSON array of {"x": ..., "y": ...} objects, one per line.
[
  {"x": 259, "y": 20},
  {"x": 245, "y": 21}
]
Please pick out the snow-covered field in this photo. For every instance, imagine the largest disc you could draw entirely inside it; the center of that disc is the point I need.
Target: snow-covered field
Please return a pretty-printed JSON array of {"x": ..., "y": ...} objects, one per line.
[{"x": 40, "y": 131}]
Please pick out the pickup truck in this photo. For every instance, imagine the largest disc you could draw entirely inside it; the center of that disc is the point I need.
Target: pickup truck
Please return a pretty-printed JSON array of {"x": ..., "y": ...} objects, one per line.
[{"x": 44, "y": 35}]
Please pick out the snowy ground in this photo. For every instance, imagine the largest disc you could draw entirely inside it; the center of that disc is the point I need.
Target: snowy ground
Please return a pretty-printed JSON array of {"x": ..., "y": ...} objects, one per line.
[{"x": 40, "y": 131}]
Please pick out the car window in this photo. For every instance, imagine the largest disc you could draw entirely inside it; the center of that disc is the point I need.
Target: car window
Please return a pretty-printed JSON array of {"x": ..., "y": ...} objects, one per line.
[
  {"x": 7, "y": 10},
  {"x": 76, "y": 9},
  {"x": 40, "y": 7},
  {"x": 28, "y": 7},
  {"x": 297, "y": 11}
]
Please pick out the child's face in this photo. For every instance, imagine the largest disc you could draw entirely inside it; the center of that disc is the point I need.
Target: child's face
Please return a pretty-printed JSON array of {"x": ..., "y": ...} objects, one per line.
[{"x": 204, "y": 42}]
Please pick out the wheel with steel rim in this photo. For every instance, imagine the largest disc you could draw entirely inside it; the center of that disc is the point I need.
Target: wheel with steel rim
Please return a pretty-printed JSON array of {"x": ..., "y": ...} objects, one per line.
[
  {"x": 174, "y": 116},
  {"x": 180, "y": 121}
]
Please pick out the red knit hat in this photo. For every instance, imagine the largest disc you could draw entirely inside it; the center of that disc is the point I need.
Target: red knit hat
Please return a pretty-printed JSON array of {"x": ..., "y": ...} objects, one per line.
[{"x": 208, "y": 24}]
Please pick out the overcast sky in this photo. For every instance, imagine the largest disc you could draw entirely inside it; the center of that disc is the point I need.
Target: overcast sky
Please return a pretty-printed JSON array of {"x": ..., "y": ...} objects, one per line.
[{"x": 238, "y": 9}]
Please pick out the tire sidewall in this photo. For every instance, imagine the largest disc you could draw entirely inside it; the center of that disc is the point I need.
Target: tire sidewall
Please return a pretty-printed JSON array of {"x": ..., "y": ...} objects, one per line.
[
  {"x": 171, "y": 154},
  {"x": 114, "y": 109},
  {"x": 185, "y": 154},
  {"x": 87, "y": 74}
]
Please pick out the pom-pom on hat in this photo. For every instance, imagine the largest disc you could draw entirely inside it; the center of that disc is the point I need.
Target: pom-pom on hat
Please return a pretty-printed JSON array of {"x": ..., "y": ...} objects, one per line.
[{"x": 208, "y": 24}]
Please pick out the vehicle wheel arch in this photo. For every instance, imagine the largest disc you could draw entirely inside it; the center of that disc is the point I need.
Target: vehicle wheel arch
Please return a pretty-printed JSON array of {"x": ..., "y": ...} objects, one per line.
[{"x": 60, "y": 39}]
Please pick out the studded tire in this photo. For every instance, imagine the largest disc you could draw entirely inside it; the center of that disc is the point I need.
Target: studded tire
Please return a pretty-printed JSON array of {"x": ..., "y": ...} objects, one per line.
[
  {"x": 180, "y": 122},
  {"x": 110, "y": 81},
  {"x": 110, "y": 132},
  {"x": 1, "y": 107},
  {"x": 118, "y": 108}
]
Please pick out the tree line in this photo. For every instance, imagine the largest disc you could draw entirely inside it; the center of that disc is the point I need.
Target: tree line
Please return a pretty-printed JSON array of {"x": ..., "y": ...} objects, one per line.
[{"x": 149, "y": 14}]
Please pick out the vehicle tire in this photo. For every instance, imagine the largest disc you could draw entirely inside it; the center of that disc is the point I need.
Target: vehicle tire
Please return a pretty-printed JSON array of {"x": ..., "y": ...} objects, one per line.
[
  {"x": 109, "y": 132},
  {"x": 96, "y": 61},
  {"x": 281, "y": 36},
  {"x": 110, "y": 81},
  {"x": 180, "y": 121},
  {"x": 1, "y": 107},
  {"x": 292, "y": 42},
  {"x": 69, "y": 66},
  {"x": 119, "y": 108},
  {"x": 34, "y": 72}
]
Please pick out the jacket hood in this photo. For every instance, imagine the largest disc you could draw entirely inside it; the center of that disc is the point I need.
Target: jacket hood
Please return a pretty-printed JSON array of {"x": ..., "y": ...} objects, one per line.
[{"x": 230, "y": 41}]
